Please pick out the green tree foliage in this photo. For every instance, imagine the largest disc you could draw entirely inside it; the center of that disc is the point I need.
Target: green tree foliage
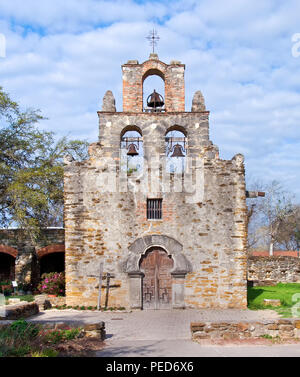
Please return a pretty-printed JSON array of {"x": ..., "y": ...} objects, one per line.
[{"x": 31, "y": 169}]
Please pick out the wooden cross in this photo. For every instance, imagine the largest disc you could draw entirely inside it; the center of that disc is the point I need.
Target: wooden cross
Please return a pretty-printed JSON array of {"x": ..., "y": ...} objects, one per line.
[
  {"x": 100, "y": 284},
  {"x": 103, "y": 276}
]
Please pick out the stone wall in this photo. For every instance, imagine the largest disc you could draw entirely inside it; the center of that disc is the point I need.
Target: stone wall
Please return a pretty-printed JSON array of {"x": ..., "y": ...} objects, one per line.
[
  {"x": 283, "y": 328},
  {"x": 19, "y": 311},
  {"x": 272, "y": 270},
  {"x": 205, "y": 234},
  {"x": 101, "y": 226},
  {"x": 14, "y": 242}
]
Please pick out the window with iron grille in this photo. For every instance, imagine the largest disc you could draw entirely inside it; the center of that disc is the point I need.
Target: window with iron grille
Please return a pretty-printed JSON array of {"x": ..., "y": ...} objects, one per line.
[{"x": 154, "y": 209}]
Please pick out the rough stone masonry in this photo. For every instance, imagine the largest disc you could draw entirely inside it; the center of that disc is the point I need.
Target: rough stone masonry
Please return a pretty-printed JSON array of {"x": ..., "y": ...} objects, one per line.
[{"x": 194, "y": 256}]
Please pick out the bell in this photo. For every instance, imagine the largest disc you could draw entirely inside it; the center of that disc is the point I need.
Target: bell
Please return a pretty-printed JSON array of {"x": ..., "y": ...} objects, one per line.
[
  {"x": 177, "y": 151},
  {"x": 132, "y": 150},
  {"x": 155, "y": 100}
]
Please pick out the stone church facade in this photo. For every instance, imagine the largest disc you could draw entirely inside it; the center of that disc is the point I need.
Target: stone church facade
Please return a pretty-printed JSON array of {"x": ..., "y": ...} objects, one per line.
[{"x": 168, "y": 238}]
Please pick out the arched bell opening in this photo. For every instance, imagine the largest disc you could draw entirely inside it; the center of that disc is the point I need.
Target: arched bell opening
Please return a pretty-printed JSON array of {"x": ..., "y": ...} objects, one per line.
[
  {"x": 154, "y": 91},
  {"x": 7, "y": 267},
  {"x": 156, "y": 266},
  {"x": 176, "y": 150},
  {"x": 131, "y": 149}
]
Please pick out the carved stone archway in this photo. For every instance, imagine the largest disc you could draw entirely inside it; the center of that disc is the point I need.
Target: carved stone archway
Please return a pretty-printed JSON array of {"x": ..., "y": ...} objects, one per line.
[{"x": 181, "y": 267}]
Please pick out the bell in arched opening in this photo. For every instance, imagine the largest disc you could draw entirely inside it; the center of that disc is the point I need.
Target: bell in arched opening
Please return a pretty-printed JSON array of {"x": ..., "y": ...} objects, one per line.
[
  {"x": 177, "y": 151},
  {"x": 155, "y": 100},
  {"x": 132, "y": 151}
]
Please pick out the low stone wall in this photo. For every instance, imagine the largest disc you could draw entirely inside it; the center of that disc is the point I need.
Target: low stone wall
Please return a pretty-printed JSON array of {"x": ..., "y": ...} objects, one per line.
[
  {"x": 59, "y": 301},
  {"x": 18, "y": 311},
  {"x": 273, "y": 270},
  {"x": 92, "y": 330},
  {"x": 283, "y": 328}
]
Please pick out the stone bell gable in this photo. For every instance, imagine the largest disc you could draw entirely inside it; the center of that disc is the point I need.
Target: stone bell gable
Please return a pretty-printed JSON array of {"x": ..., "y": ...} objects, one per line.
[
  {"x": 168, "y": 238},
  {"x": 134, "y": 75}
]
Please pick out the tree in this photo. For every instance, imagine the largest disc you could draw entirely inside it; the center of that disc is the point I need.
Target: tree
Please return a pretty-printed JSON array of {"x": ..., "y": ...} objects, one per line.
[
  {"x": 289, "y": 232},
  {"x": 31, "y": 169},
  {"x": 270, "y": 215}
]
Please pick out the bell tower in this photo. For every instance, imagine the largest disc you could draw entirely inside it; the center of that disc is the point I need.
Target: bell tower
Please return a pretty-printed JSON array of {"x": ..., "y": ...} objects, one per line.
[{"x": 134, "y": 75}]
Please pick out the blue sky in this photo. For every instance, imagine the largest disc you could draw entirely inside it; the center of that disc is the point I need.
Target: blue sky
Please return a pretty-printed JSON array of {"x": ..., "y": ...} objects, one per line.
[{"x": 62, "y": 56}]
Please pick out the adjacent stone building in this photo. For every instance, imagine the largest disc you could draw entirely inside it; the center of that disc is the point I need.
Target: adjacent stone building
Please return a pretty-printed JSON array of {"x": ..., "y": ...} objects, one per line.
[
  {"x": 25, "y": 261},
  {"x": 155, "y": 204}
]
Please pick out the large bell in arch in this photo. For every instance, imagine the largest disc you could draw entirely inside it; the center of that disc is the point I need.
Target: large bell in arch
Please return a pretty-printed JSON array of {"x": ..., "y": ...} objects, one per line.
[
  {"x": 155, "y": 100},
  {"x": 177, "y": 151},
  {"x": 132, "y": 150}
]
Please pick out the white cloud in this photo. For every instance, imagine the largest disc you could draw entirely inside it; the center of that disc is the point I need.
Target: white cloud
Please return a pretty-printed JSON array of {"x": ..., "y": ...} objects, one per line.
[{"x": 62, "y": 56}]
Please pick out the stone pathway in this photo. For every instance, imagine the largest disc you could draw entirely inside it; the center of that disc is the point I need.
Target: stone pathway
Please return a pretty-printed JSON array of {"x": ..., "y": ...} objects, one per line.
[
  {"x": 187, "y": 348},
  {"x": 153, "y": 324},
  {"x": 167, "y": 332}
]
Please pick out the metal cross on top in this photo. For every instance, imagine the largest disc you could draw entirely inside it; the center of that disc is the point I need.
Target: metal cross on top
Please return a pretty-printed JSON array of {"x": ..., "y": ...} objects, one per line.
[{"x": 153, "y": 38}]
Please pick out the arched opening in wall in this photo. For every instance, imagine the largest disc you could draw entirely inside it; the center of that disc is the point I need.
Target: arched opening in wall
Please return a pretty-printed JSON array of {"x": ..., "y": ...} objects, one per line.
[
  {"x": 7, "y": 267},
  {"x": 176, "y": 149},
  {"x": 54, "y": 262},
  {"x": 153, "y": 80},
  {"x": 131, "y": 150},
  {"x": 156, "y": 266}
]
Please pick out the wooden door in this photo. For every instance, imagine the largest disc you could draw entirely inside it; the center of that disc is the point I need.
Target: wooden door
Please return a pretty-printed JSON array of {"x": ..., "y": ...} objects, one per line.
[{"x": 157, "y": 282}]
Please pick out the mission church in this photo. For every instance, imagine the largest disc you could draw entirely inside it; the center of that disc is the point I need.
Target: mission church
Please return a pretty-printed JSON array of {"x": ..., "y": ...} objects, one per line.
[{"x": 130, "y": 206}]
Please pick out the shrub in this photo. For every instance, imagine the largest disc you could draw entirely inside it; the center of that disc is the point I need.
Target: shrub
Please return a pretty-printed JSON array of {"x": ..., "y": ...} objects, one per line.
[
  {"x": 58, "y": 336},
  {"x": 7, "y": 291},
  {"x": 14, "y": 338},
  {"x": 24, "y": 330},
  {"x": 53, "y": 283}
]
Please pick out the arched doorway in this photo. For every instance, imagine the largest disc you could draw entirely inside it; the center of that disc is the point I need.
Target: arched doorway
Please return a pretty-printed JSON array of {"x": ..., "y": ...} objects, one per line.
[
  {"x": 7, "y": 267},
  {"x": 135, "y": 267},
  {"x": 51, "y": 259},
  {"x": 156, "y": 265},
  {"x": 52, "y": 263}
]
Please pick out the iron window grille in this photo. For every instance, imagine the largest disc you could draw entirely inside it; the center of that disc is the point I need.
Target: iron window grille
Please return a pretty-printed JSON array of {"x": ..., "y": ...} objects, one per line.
[{"x": 154, "y": 209}]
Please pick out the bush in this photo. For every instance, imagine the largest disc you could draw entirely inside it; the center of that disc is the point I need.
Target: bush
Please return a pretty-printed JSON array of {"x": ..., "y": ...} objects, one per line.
[
  {"x": 7, "y": 291},
  {"x": 53, "y": 284},
  {"x": 58, "y": 336},
  {"x": 15, "y": 338}
]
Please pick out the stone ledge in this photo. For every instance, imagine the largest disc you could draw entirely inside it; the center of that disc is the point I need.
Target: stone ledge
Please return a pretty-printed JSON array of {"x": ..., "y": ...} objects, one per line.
[
  {"x": 282, "y": 328},
  {"x": 90, "y": 330},
  {"x": 18, "y": 311}
]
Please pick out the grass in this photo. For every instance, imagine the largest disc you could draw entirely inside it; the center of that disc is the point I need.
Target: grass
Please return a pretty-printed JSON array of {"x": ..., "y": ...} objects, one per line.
[
  {"x": 28, "y": 298},
  {"x": 282, "y": 291}
]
